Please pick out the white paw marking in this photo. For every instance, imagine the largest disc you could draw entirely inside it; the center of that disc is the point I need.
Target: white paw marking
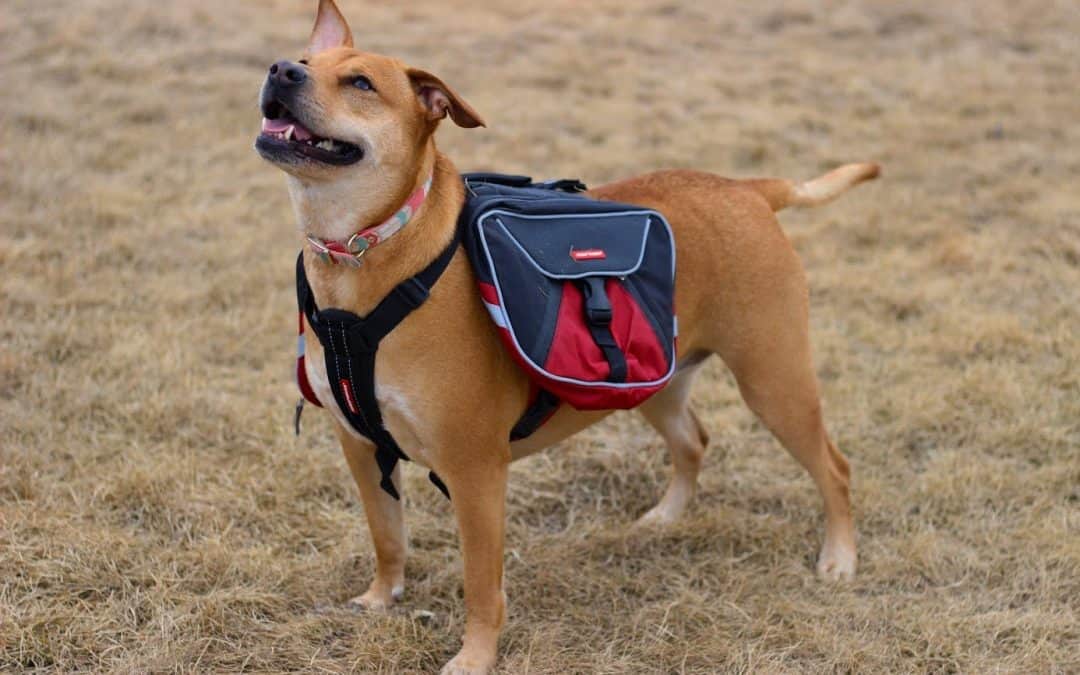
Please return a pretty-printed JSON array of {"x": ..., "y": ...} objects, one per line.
[{"x": 836, "y": 565}]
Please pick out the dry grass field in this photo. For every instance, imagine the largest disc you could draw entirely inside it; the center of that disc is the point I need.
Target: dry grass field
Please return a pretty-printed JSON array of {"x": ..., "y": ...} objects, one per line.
[{"x": 158, "y": 515}]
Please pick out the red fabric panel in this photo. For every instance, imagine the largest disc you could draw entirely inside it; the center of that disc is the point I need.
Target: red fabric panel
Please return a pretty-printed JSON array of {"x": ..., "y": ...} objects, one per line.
[
  {"x": 577, "y": 396},
  {"x": 573, "y": 351},
  {"x": 645, "y": 357},
  {"x": 600, "y": 398},
  {"x": 305, "y": 387},
  {"x": 488, "y": 293},
  {"x": 301, "y": 372}
]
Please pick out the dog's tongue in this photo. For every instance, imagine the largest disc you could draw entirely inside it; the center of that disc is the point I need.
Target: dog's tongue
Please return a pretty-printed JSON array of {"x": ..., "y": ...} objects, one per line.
[{"x": 282, "y": 124}]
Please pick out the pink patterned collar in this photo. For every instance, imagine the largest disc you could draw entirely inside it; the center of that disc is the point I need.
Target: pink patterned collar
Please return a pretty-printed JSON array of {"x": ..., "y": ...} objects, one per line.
[{"x": 352, "y": 251}]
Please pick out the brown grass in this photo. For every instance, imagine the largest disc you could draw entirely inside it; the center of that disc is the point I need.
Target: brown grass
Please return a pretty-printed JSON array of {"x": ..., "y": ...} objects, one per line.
[{"x": 158, "y": 514}]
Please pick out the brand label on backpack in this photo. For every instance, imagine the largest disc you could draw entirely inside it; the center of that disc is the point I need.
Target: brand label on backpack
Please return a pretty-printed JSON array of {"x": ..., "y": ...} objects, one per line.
[{"x": 584, "y": 254}]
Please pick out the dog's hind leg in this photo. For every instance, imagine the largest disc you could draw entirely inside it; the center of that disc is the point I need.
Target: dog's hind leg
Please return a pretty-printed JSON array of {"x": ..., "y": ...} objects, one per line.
[
  {"x": 386, "y": 522},
  {"x": 669, "y": 412},
  {"x": 777, "y": 380},
  {"x": 757, "y": 321}
]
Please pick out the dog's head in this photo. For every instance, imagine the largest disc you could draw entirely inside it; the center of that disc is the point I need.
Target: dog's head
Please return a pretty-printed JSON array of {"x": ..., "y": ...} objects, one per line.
[{"x": 340, "y": 115}]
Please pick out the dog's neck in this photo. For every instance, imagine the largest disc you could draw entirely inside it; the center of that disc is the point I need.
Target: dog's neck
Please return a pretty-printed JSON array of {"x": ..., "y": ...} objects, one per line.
[
  {"x": 335, "y": 210},
  {"x": 411, "y": 249}
]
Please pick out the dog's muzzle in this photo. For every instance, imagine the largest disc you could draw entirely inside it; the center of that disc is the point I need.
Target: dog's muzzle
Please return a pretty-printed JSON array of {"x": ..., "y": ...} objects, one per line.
[
  {"x": 283, "y": 82},
  {"x": 286, "y": 75},
  {"x": 286, "y": 133}
]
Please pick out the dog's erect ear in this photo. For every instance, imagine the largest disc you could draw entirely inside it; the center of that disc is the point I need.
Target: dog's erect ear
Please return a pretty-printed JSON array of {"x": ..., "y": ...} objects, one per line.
[
  {"x": 439, "y": 99},
  {"x": 331, "y": 30}
]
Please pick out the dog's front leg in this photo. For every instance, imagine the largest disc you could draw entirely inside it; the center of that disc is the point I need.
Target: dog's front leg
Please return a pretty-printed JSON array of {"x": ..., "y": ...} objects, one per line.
[
  {"x": 478, "y": 493},
  {"x": 386, "y": 522}
]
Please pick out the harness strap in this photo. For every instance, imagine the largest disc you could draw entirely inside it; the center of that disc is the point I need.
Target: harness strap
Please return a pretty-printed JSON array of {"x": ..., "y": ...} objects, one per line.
[
  {"x": 301, "y": 370},
  {"x": 540, "y": 409},
  {"x": 349, "y": 345}
]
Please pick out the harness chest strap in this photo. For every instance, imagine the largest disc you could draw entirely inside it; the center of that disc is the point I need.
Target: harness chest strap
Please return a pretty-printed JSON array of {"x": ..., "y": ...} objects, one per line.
[
  {"x": 350, "y": 343},
  {"x": 362, "y": 411}
]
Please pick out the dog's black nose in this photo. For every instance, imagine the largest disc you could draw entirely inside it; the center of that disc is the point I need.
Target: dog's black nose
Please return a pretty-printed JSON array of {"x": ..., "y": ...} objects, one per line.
[{"x": 287, "y": 74}]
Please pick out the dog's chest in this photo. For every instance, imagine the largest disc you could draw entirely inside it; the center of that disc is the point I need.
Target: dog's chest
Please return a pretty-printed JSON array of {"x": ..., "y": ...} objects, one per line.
[{"x": 398, "y": 412}]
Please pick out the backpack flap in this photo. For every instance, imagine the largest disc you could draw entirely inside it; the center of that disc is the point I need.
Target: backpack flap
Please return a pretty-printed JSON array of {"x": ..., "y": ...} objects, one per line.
[{"x": 577, "y": 246}]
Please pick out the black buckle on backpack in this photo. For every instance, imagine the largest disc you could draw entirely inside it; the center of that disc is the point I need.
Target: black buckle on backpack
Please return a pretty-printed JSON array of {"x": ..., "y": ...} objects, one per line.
[
  {"x": 597, "y": 304},
  {"x": 598, "y": 314}
]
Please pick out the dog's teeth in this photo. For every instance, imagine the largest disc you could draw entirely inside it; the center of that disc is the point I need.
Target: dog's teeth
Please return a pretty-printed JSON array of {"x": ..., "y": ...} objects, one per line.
[
  {"x": 325, "y": 144},
  {"x": 289, "y": 133}
]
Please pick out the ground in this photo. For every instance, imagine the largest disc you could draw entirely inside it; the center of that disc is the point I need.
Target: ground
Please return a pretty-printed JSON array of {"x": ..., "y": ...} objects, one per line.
[{"x": 157, "y": 513}]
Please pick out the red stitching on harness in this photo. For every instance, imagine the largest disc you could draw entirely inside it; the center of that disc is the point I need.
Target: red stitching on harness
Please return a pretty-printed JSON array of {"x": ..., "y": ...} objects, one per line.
[{"x": 346, "y": 388}]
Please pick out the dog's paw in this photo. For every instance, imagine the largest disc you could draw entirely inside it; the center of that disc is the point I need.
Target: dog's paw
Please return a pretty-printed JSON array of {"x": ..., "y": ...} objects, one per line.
[
  {"x": 468, "y": 664},
  {"x": 376, "y": 599},
  {"x": 657, "y": 516},
  {"x": 661, "y": 515},
  {"x": 836, "y": 564}
]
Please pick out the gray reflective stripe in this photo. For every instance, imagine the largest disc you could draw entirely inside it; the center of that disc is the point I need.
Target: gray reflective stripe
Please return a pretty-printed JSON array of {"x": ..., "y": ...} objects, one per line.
[
  {"x": 496, "y": 314},
  {"x": 510, "y": 327}
]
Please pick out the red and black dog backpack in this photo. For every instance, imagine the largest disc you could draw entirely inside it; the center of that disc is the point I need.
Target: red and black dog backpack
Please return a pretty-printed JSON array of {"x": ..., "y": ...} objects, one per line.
[{"x": 581, "y": 290}]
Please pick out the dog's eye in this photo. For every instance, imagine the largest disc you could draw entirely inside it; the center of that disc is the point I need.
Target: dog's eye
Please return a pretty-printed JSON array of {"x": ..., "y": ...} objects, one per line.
[{"x": 362, "y": 83}]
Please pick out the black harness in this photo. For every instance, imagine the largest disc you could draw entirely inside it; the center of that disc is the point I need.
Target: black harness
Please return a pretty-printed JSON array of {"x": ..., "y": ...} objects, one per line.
[
  {"x": 349, "y": 345},
  {"x": 350, "y": 342}
]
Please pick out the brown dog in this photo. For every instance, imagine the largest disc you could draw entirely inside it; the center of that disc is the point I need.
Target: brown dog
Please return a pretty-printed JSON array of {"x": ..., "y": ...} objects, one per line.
[{"x": 355, "y": 133}]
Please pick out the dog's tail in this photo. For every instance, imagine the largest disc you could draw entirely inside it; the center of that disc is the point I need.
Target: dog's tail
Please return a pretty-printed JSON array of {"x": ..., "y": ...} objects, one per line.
[{"x": 782, "y": 193}]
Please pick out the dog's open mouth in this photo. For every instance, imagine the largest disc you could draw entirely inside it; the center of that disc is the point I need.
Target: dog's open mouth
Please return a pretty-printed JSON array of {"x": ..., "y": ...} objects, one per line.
[{"x": 283, "y": 135}]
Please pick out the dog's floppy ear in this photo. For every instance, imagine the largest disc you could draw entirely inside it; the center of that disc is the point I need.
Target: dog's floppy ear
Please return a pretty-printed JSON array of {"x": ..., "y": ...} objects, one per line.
[
  {"x": 331, "y": 30},
  {"x": 439, "y": 99}
]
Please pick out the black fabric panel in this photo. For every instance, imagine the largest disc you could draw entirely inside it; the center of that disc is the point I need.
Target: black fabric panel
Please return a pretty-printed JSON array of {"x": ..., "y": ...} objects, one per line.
[
  {"x": 652, "y": 284},
  {"x": 549, "y": 321},
  {"x": 526, "y": 311},
  {"x": 662, "y": 326},
  {"x": 509, "y": 179},
  {"x": 549, "y": 242}
]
